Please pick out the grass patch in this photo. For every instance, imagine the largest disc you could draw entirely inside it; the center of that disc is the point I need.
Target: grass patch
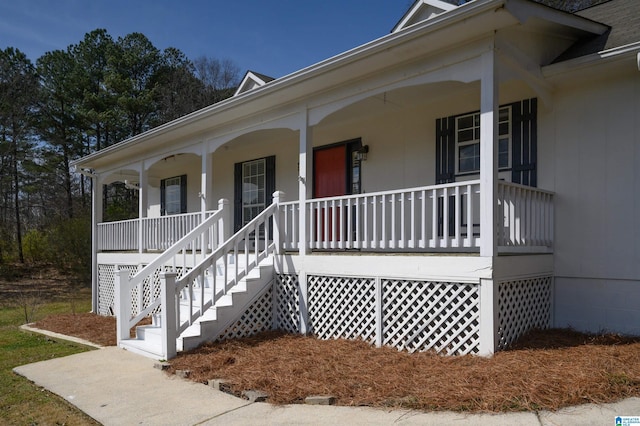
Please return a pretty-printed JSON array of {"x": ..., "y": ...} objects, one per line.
[{"x": 22, "y": 402}]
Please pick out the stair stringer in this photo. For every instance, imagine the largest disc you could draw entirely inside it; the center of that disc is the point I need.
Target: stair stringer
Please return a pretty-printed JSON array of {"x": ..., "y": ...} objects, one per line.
[{"x": 226, "y": 314}]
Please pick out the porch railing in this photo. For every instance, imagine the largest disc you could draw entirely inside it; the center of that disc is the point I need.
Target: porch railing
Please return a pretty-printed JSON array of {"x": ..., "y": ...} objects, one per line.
[
  {"x": 525, "y": 218},
  {"x": 119, "y": 235},
  {"x": 430, "y": 218},
  {"x": 416, "y": 219},
  {"x": 159, "y": 233}
]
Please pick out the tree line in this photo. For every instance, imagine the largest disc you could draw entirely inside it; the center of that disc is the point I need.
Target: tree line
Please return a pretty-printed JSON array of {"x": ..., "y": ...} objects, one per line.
[{"x": 69, "y": 104}]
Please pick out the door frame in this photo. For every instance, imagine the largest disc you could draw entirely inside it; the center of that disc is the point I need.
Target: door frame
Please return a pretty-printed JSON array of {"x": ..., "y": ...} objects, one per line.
[{"x": 352, "y": 145}]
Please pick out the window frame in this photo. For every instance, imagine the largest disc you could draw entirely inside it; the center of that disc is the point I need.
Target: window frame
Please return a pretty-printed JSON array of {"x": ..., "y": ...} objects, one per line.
[
  {"x": 238, "y": 196},
  {"x": 476, "y": 139},
  {"x": 260, "y": 206},
  {"x": 182, "y": 194}
]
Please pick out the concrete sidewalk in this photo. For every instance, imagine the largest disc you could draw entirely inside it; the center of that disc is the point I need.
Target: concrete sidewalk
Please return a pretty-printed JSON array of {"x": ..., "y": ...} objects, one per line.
[{"x": 116, "y": 387}]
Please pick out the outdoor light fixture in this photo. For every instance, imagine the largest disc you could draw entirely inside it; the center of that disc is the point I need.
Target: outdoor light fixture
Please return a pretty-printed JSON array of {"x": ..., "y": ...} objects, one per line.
[{"x": 361, "y": 153}]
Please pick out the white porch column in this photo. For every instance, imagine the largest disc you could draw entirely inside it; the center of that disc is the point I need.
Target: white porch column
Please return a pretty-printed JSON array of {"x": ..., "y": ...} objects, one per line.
[
  {"x": 143, "y": 197},
  {"x": 278, "y": 197},
  {"x": 488, "y": 154},
  {"x": 96, "y": 218},
  {"x": 206, "y": 181},
  {"x": 305, "y": 182},
  {"x": 488, "y": 317}
]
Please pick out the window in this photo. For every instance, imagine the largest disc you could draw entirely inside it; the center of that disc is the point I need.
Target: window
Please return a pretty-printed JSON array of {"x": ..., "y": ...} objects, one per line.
[
  {"x": 458, "y": 143},
  {"x": 173, "y": 195},
  {"x": 467, "y": 134},
  {"x": 254, "y": 184},
  {"x": 253, "y": 189}
]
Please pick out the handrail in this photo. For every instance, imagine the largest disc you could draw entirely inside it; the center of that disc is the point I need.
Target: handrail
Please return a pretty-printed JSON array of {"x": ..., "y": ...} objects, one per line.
[
  {"x": 188, "y": 241},
  {"x": 525, "y": 187},
  {"x": 181, "y": 244},
  {"x": 392, "y": 191},
  {"x": 429, "y": 218},
  {"x": 196, "y": 274},
  {"x": 172, "y": 323}
]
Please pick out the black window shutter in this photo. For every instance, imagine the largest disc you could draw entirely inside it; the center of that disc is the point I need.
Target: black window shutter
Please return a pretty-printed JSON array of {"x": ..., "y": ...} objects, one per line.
[
  {"x": 183, "y": 194},
  {"x": 270, "y": 178},
  {"x": 445, "y": 150},
  {"x": 524, "y": 142},
  {"x": 162, "y": 199},
  {"x": 270, "y": 184},
  {"x": 445, "y": 166},
  {"x": 237, "y": 197}
]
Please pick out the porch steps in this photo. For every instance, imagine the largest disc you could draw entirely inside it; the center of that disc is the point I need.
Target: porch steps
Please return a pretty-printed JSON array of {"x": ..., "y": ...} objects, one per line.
[{"x": 213, "y": 322}]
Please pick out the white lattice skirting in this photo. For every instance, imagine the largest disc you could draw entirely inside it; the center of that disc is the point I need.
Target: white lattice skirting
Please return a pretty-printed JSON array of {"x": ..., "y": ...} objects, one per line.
[
  {"x": 411, "y": 315},
  {"x": 255, "y": 319},
  {"x": 106, "y": 287},
  {"x": 406, "y": 314},
  {"x": 522, "y": 305}
]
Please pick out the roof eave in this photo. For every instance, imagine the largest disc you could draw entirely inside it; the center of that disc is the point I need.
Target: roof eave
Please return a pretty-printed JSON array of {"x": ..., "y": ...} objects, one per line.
[
  {"x": 460, "y": 14},
  {"x": 609, "y": 55},
  {"x": 525, "y": 9},
  {"x": 247, "y": 103}
]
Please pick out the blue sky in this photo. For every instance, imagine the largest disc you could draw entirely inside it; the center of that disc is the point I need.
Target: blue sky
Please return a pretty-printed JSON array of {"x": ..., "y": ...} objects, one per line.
[{"x": 274, "y": 37}]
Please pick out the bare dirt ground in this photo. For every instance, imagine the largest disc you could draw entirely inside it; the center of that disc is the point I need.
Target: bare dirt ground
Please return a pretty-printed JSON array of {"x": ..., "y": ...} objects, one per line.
[
  {"x": 25, "y": 283},
  {"x": 545, "y": 370}
]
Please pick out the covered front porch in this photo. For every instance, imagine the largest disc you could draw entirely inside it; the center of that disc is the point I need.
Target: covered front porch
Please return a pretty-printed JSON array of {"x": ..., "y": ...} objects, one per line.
[
  {"x": 437, "y": 218},
  {"x": 437, "y": 182}
]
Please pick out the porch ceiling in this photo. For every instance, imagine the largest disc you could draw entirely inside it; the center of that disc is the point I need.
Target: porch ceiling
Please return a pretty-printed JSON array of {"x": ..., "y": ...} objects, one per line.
[{"x": 405, "y": 97}]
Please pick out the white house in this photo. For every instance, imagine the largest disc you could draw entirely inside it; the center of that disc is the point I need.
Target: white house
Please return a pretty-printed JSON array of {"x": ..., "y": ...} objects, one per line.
[{"x": 471, "y": 175}]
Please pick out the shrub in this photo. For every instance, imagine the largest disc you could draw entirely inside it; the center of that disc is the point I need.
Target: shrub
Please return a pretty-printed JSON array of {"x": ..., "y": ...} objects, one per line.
[{"x": 36, "y": 247}]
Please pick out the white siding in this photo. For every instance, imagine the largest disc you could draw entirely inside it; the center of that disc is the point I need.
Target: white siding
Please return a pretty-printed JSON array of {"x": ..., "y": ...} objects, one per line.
[{"x": 590, "y": 156}]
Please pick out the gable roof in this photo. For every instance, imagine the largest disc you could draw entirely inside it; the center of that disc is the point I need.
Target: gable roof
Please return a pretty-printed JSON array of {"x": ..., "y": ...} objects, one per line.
[
  {"x": 422, "y": 10},
  {"x": 623, "y": 19},
  {"x": 251, "y": 80}
]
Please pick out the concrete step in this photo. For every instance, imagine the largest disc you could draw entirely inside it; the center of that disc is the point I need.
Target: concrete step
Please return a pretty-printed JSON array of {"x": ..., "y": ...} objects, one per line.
[{"x": 143, "y": 348}]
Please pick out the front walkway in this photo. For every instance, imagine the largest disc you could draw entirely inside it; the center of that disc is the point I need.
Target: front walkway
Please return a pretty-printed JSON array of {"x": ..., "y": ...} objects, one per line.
[{"x": 117, "y": 387}]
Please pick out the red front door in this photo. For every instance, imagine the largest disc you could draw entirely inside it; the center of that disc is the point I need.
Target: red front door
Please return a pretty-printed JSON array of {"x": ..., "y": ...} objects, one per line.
[
  {"x": 330, "y": 171},
  {"x": 329, "y": 180}
]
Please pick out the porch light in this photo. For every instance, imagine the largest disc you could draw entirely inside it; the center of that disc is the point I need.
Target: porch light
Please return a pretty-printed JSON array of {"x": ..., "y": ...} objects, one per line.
[{"x": 361, "y": 154}]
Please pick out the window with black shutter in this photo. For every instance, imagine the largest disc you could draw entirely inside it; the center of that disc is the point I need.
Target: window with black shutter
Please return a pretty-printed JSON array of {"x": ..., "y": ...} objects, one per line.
[
  {"x": 458, "y": 148},
  {"x": 173, "y": 195},
  {"x": 458, "y": 143},
  {"x": 254, "y": 185}
]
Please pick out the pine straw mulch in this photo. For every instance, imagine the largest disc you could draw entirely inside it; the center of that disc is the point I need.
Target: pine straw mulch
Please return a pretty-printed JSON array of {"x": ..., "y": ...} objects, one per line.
[
  {"x": 544, "y": 370},
  {"x": 94, "y": 328}
]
